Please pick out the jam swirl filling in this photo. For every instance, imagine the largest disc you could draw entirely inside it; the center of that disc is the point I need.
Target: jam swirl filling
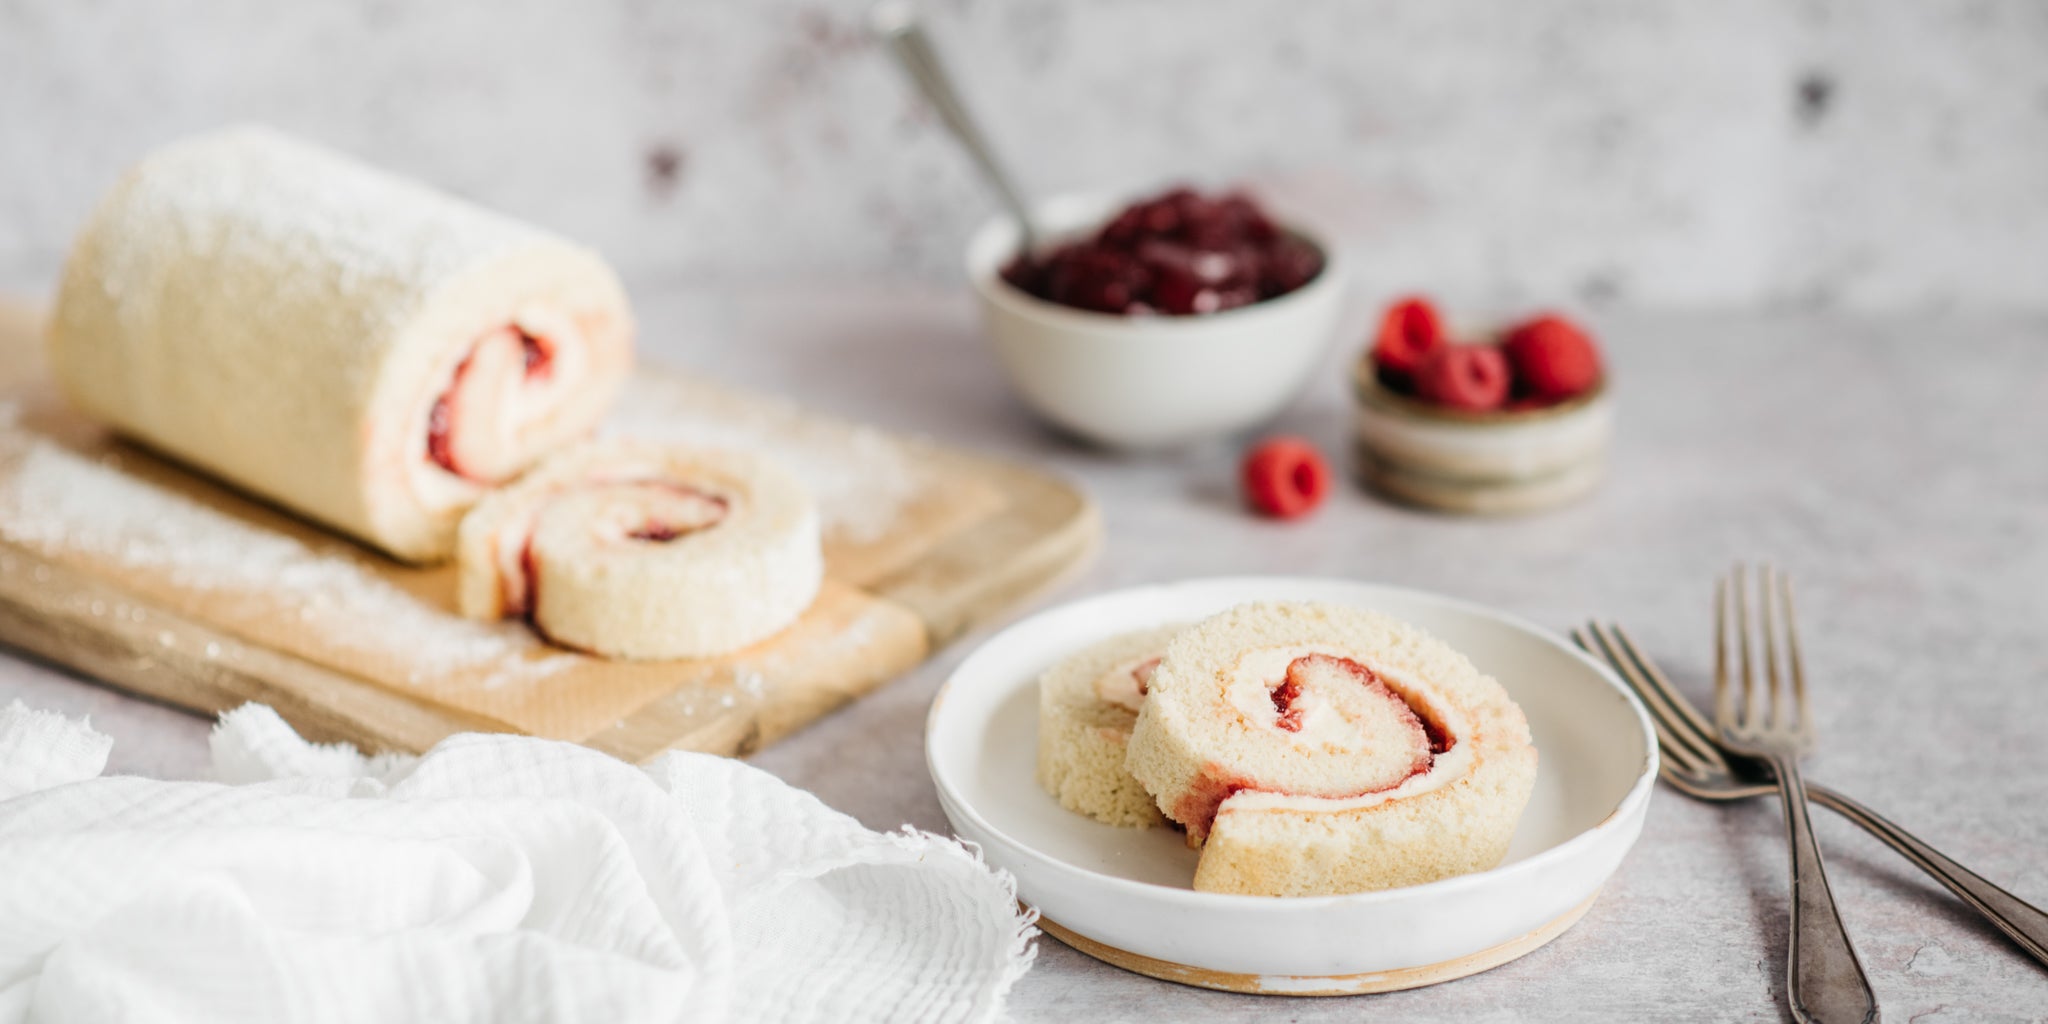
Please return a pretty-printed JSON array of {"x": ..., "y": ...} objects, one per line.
[
  {"x": 497, "y": 366},
  {"x": 1343, "y": 709}
]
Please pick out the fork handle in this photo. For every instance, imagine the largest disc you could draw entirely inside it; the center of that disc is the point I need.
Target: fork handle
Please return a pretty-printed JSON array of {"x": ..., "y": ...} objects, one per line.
[
  {"x": 2021, "y": 921},
  {"x": 1825, "y": 982}
]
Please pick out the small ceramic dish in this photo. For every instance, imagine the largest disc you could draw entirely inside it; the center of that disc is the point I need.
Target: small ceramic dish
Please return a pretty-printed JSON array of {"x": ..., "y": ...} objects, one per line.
[
  {"x": 1151, "y": 381},
  {"x": 1123, "y": 895},
  {"x": 1479, "y": 462}
]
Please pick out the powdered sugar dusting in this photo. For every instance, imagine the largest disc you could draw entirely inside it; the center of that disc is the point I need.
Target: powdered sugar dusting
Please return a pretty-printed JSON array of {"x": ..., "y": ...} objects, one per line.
[
  {"x": 861, "y": 478},
  {"x": 61, "y": 504},
  {"x": 340, "y": 236}
]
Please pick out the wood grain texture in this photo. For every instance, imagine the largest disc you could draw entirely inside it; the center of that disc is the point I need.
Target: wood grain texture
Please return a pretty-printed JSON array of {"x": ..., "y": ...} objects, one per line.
[{"x": 977, "y": 536}]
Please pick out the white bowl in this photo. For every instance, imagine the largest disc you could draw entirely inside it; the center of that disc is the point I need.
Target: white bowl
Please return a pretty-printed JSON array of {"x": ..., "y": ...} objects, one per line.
[
  {"x": 1153, "y": 381},
  {"x": 1124, "y": 895}
]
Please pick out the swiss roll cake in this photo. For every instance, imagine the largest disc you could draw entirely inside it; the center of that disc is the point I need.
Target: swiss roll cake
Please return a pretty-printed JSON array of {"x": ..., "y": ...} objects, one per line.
[
  {"x": 639, "y": 550},
  {"x": 1087, "y": 705},
  {"x": 1313, "y": 749},
  {"x": 348, "y": 344}
]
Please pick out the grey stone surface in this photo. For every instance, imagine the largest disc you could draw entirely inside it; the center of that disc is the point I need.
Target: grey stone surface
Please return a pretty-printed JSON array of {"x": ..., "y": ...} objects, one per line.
[
  {"x": 1894, "y": 465},
  {"x": 1860, "y": 154}
]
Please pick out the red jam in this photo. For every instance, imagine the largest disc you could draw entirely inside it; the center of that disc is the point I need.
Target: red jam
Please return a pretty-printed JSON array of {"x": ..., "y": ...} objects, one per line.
[
  {"x": 1196, "y": 809},
  {"x": 530, "y": 598},
  {"x": 440, "y": 428},
  {"x": 1177, "y": 254},
  {"x": 1284, "y": 697},
  {"x": 1439, "y": 741},
  {"x": 657, "y": 531},
  {"x": 538, "y": 358}
]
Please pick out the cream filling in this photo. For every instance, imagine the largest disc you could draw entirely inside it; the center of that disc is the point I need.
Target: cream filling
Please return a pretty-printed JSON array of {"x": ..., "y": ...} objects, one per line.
[
  {"x": 568, "y": 362},
  {"x": 1248, "y": 688},
  {"x": 635, "y": 498},
  {"x": 1449, "y": 767},
  {"x": 497, "y": 404},
  {"x": 636, "y": 507},
  {"x": 1124, "y": 685}
]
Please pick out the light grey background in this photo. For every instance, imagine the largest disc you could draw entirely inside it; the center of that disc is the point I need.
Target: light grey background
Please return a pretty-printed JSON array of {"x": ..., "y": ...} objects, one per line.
[{"x": 1874, "y": 154}]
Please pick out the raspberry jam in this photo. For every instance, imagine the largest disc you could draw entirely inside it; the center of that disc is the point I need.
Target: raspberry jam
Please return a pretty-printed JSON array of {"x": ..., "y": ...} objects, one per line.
[
  {"x": 1196, "y": 809},
  {"x": 1284, "y": 697},
  {"x": 1176, "y": 254},
  {"x": 657, "y": 533},
  {"x": 710, "y": 510},
  {"x": 440, "y": 432},
  {"x": 540, "y": 359},
  {"x": 537, "y": 361}
]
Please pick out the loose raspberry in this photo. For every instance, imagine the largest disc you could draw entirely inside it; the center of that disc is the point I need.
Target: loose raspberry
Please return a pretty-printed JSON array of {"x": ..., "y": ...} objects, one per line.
[
  {"x": 1410, "y": 330},
  {"x": 1552, "y": 358},
  {"x": 1471, "y": 377},
  {"x": 1285, "y": 477}
]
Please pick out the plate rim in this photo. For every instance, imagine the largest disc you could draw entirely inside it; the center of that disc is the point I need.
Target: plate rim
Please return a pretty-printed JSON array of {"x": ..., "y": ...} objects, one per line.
[{"x": 1627, "y": 808}]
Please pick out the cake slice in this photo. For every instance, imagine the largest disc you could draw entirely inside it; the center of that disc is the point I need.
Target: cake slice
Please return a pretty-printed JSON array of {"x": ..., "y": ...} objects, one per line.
[
  {"x": 630, "y": 549},
  {"x": 1086, "y": 707},
  {"x": 1315, "y": 749}
]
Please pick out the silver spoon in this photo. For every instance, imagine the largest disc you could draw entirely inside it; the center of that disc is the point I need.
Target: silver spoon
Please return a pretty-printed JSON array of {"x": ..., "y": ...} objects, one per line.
[{"x": 895, "y": 23}]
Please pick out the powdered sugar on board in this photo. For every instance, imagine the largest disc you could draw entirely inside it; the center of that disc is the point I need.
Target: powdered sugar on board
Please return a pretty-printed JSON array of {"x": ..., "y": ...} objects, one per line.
[
  {"x": 67, "y": 506},
  {"x": 862, "y": 478}
]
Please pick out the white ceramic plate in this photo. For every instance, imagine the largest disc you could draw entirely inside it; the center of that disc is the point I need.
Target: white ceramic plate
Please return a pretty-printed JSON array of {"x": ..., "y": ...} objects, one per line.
[{"x": 1123, "y": 894}]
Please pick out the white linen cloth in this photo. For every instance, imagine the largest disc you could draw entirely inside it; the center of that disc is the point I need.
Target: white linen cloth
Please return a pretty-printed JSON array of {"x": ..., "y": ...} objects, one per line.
[{"x": 494, "y": 878}]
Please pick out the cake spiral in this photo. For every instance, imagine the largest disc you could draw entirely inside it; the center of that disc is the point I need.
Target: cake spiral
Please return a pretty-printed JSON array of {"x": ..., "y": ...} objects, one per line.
[
  {"x": 1087, "y": 705},
  {"x": 1313, "y": 749},
  {"x": 634, "y": 550},
  {"x": 353, "y": 346}
]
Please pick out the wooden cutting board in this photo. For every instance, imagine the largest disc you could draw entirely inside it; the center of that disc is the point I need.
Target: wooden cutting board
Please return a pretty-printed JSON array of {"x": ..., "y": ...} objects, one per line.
[{"x": 128, "y": 567}]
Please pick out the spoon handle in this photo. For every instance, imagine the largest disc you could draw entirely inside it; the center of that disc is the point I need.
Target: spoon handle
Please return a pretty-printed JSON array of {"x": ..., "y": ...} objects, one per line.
[{"x": 896, "y": 24}]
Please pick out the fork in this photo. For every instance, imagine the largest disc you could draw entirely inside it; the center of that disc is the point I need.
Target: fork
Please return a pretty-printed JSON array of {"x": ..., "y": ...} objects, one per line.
[
  {"x": 1824, "y": 979},
  {"x": 1695, "y": 764}
]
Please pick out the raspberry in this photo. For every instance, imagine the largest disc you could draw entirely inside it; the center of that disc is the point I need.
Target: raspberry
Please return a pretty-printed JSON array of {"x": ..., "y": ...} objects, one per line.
[
  {"x": 1409, "y": 331},
  {"x": 1552, "y": 358},
  {"x": 1471, "y": 377},
  {"x": 1285, "y": 477}
]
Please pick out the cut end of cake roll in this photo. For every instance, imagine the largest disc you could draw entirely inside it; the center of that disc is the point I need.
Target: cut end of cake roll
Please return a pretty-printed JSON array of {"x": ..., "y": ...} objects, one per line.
[
  {"x": 644, "y": 551},
  {"x": 354, "y": 346},
  {"x": 1087, "y": 705},
  {"x": 1313, "y": 749}
]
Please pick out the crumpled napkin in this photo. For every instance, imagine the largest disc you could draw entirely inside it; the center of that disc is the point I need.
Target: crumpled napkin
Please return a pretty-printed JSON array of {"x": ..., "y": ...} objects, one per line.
[{"x": 495, "y": 878}]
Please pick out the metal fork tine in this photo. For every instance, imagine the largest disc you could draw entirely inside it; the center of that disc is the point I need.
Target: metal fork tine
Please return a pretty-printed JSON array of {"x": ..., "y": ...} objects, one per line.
[
  {"x": 1767, "y": 588},
  {"x": 1677, "y": 701},
  {"x": 1748, "y": 717},
  {"x": 1804, "y": 721},
  {"x": 1688, "y": 750},
  {"x": 1683, "y": 754},
  {"x": 1678, "y": 760},
  {"x": 1665, "y": 712},
  {"x": 1724, "y": 705},
  {"x": 1678, "y": 713}
]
